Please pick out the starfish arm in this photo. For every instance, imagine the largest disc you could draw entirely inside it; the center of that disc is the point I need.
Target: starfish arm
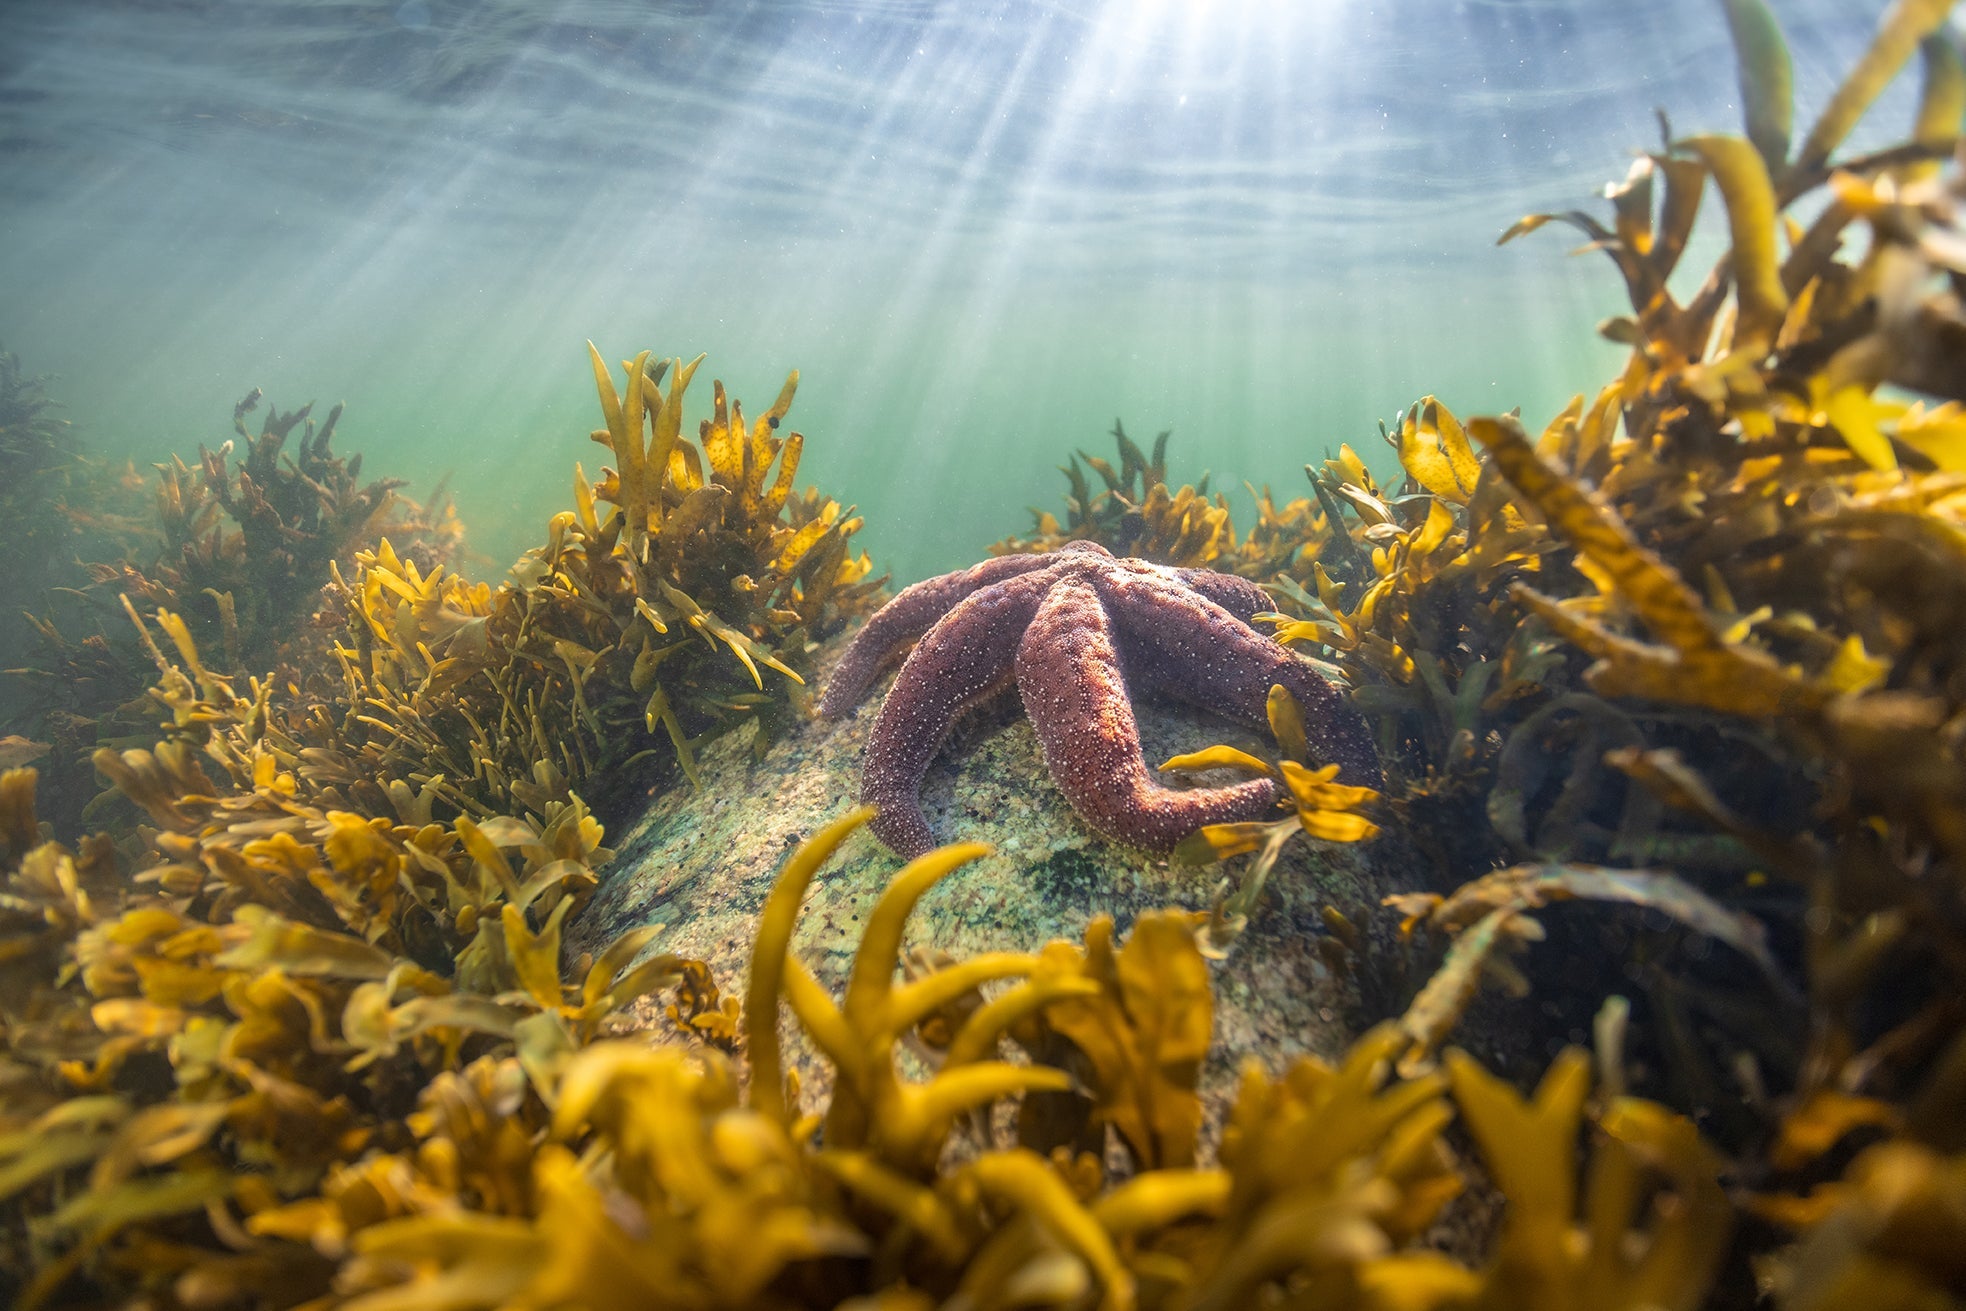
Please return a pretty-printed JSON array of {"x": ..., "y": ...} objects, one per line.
[
  {"x": 1184, "y": 644},
  {"x": 1240, "y": 597},
  {"x": 904, "y": 619},
  {"x": 965, "y": 657},
  {"x": 1069, "y": 674}
]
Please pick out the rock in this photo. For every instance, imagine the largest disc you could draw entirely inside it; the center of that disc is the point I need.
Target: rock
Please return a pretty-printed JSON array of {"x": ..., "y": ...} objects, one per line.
[{"x": 702, "y": 861}]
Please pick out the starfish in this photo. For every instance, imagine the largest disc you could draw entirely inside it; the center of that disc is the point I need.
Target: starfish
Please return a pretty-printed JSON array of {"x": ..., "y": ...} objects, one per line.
[{"x": 1076, "y": 629}]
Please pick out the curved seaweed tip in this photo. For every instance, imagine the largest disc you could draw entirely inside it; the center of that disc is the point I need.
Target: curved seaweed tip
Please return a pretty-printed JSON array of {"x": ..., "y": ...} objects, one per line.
[{"x": 768, "y": 956}]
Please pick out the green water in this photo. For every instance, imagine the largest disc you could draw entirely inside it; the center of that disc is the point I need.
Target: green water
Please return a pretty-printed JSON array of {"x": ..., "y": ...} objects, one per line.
[
  {"x": 941, "y": 425},
  {"x": 979, "y": 232}
]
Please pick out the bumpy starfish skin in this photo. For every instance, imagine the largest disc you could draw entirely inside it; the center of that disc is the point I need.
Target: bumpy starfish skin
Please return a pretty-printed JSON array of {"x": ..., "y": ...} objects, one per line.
[{"x": 1076, "y": 628}]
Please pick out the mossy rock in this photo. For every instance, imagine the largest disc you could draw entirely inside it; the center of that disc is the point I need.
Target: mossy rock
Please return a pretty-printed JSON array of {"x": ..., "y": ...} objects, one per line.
[{"x": 701, "y": 862}]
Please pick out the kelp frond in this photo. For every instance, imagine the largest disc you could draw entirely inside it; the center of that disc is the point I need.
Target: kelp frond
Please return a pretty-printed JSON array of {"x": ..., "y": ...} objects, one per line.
[{"x": 1324, "y": 809}]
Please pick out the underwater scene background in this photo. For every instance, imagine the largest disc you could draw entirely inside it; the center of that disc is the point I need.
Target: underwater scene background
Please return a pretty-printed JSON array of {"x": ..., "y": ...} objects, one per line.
[
  {"x": 979, "y": 231},
  {"x": 476, "y": 846}
]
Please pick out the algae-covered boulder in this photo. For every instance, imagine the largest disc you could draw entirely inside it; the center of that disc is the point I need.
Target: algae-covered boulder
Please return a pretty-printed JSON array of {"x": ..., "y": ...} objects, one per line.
[{"x": 701, "y": 862}]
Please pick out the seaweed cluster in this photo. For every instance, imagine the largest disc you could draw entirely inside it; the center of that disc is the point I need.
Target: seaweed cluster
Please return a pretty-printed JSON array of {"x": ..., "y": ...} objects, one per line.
[
  {"x": 37, "y": 456},
  {"x": 1741, "y": 553},
  {"x": 240, "y": 552},
  {"x": 1134, "y": 513},
  {"x": 275, "y": 1107},
  {"x": 35, "y": 447},
  {"x": 329, "y": 992},
  {"x": 1733, "y": 555},
  {"x": 637, "y": 630},
  {"x": 195, "y": 1057}
]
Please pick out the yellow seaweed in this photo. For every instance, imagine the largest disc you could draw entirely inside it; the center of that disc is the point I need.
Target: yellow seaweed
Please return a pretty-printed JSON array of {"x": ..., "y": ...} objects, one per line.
[
  {"x": 1766, "y": 77},
  {"x": 1902, "y": 28}
]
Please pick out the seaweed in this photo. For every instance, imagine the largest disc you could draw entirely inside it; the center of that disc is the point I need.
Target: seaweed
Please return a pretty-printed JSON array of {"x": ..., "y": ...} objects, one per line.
[
  {"x": 1327, "y": 1175},
  {"x": 1135, "y": 513},
  {"x": 210, "y": 1050},
  {"x": 38, "y": 455},
  {"x": 240, "y": 552},
  {"x": 1746, "y": 546},
  {"x": 1489, "y": 916},
  {"x": 228, "y": 1083},
  {"x": 214, "y": 1066},
  {"x": 645, "y": 624},
  {"x": 40, "y": 459},
  {"x": 1323, "y": 809}
]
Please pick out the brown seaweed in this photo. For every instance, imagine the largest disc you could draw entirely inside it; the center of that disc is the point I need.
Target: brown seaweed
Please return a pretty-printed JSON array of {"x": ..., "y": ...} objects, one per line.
[{"x": 239, "y": 552}]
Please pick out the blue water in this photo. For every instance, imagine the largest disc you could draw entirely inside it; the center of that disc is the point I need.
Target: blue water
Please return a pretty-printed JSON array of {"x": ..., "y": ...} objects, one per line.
[{"x": 981, "y": 230}]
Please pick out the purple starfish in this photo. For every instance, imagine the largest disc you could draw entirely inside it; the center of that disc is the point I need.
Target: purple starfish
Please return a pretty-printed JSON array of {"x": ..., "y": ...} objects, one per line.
[{"x": 1076, "y": 628}]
